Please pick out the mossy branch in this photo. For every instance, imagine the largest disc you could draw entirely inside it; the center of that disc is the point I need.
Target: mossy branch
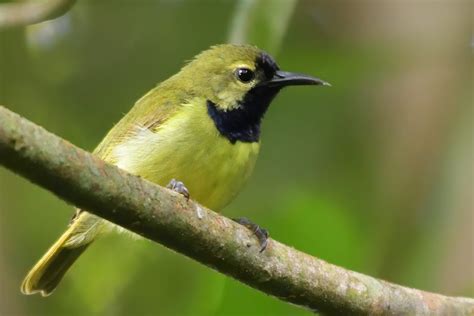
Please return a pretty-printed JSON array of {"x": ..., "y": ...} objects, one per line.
[
  {"x": 167, "y": 218},
  {"x": 31, "y": 12}
]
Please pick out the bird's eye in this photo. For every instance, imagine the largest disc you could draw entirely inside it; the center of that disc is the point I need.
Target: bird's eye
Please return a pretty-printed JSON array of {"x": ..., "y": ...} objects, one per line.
[{"x": 244, "y": 74}]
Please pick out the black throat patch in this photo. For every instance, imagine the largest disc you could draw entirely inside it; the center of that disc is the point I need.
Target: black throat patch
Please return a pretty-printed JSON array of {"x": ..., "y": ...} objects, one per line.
[{"x": 243, "y": 123}]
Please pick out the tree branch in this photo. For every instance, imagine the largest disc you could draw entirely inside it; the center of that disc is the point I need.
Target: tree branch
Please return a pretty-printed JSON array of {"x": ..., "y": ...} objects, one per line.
[
  {"x": 31, "y": 12},
  {"x": 186, "y": 227}
]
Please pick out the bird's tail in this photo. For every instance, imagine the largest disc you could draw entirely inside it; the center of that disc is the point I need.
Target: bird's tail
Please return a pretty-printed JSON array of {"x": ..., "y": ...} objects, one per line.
[{"x": 45, "y": 276}]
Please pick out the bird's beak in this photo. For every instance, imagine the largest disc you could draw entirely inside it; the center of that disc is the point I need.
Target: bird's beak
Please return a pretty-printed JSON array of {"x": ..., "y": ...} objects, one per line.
[{"x": 284, "y": 78}]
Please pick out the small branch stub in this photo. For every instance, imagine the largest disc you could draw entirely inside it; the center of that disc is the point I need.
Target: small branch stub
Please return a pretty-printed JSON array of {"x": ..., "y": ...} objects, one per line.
[{"x": 32, "y": 12}]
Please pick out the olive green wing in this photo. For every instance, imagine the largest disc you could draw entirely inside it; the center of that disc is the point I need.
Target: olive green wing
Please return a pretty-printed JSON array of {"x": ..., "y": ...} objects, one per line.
[{"x": 149, "y": 112}]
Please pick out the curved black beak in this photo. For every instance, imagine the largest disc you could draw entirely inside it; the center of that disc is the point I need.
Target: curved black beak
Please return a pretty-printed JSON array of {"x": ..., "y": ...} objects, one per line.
[{"x": 284, "y": 78}]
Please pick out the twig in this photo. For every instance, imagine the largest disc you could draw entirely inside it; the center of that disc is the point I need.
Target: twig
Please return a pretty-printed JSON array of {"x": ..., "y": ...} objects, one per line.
[
  {"x": 167, "y": 218},
  {"x": 31, "y": 12}
]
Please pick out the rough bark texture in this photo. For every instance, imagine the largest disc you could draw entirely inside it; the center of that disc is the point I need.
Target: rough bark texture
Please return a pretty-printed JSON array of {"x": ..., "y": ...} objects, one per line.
[{"x": 186, "y": 227}]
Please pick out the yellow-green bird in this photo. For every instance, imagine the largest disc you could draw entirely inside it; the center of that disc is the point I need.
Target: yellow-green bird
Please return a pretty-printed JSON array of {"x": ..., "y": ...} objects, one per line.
[{"x": 200, "y": 126}]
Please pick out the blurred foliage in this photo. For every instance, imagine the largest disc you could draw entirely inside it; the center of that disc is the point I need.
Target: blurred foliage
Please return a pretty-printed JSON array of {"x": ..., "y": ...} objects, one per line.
[
  {"x": 373, "y": 174},
  {"x": 262, "y": 22}
]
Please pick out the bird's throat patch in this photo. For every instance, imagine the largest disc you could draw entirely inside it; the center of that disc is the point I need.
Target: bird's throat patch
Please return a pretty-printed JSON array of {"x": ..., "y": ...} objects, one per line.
[
  {"x": 235, "y": 125},
  {"x": 243, "y": 122}
]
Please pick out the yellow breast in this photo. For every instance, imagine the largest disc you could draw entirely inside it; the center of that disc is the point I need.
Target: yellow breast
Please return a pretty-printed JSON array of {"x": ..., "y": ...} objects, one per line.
[{"x": 189, "y": 148}]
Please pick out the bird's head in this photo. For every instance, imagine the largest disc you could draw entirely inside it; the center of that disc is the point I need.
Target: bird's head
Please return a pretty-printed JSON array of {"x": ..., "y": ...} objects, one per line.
[
  {"x": 238, "y": 82},
  {"x": 227, "y": 73}
]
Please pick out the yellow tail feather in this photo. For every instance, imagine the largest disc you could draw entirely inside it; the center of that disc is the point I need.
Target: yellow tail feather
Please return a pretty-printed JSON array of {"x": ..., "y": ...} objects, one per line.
[{"x": 45, "y": 276}]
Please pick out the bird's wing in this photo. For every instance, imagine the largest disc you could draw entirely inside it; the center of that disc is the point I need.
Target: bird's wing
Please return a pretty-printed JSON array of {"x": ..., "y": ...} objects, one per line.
[{"x": 150, "y": 112}]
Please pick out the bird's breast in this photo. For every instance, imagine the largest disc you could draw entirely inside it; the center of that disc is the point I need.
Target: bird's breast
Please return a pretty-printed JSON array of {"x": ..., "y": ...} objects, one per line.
[{"x": 189, "y": 148}]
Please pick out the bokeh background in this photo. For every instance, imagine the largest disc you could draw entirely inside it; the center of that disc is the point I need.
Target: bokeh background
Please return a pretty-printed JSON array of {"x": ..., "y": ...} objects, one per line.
[{"x": 374, "y": 174}]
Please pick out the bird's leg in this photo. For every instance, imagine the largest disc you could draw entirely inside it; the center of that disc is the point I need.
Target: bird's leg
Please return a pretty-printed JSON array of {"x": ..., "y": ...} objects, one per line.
[
  {"x": 179, "y": 187},
  {"x": 259, "y": 232}
]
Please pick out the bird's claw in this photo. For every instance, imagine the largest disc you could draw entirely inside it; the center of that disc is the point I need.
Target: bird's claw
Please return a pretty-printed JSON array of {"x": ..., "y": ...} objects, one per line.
[
  {"x": 261, "y": 233},
  {"x": 179, "y": 187}
]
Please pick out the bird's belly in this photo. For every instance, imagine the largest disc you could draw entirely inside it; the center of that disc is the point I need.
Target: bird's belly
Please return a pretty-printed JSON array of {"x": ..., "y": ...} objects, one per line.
[
  {"x": 213, "y": 176},
  {"x": 213, "y": 169}
]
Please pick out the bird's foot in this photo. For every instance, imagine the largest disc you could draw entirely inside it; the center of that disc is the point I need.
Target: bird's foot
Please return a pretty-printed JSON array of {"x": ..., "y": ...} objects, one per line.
[
  {"x": 259, "y": 232},
  {"x": 74, "y": 216},
  {"x": 179, "y": 187}
]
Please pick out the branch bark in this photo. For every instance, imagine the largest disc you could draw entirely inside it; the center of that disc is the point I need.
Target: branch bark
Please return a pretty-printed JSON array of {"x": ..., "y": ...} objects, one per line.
[
  {"x": 32, "y": 12},
  {"x": 203, "y": 235}
]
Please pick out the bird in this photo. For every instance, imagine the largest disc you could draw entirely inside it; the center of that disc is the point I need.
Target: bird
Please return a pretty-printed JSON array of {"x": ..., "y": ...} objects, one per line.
[{"x": 198, "y": 133}]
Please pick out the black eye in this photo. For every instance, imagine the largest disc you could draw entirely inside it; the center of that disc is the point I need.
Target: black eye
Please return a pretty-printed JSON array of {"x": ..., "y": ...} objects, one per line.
[{"x": 244, "y": 74}]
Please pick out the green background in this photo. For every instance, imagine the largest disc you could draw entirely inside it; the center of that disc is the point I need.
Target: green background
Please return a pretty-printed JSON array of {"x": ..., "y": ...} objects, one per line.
[{"x": 373, "y": 174}]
